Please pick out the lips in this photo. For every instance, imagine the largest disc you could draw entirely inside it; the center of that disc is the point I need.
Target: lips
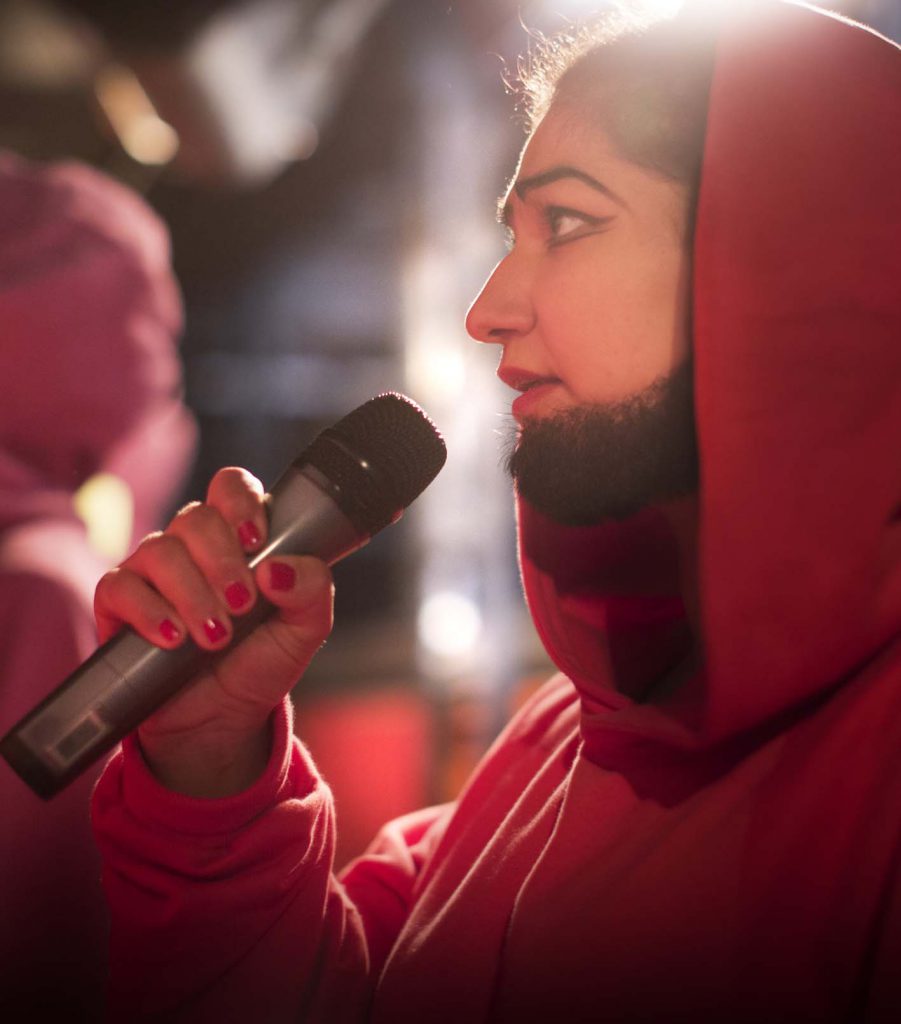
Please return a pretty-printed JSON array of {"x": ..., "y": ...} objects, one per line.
[
  {"x": 534, "y": 390},
  {"x": 523, "y": 380}
]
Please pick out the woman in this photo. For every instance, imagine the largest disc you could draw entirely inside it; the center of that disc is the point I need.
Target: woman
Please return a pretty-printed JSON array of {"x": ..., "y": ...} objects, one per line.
[{"x": 698, "y": 818}]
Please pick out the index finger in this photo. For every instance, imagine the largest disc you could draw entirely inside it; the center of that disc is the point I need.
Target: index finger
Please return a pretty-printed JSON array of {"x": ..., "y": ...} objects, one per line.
[{"x": 240, "y": 499}]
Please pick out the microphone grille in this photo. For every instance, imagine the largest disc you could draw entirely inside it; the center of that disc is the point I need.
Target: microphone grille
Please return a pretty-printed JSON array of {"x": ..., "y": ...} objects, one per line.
[{"x": 378, "y": 459}]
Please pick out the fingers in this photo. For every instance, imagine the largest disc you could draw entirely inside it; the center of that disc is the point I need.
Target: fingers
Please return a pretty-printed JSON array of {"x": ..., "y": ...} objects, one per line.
[
  {"x": 162, "y": 592},
  {"x": 192, "y": 578},
  {"x": 241, "y": 501},
  {"x": 123, "y": 597},
  {"x": 209, "y": 566}
]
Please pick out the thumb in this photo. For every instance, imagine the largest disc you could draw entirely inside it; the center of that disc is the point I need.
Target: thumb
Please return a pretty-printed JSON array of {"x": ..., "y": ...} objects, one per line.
[{"x": 302, "y": 589}]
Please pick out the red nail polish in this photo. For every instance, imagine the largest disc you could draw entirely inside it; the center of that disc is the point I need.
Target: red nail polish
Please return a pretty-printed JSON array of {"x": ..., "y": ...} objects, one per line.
[
  {"x": 248, "y": 534},
  {"x": 237, "y": 595},
  {"x": 169, "y": 631},
  {"x": 281, "y": 576},
  {"x": 214, "y": 630}
]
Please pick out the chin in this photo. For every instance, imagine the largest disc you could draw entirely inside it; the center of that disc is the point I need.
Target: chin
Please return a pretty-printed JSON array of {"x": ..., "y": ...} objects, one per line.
[{"x": 582, "y": 465}]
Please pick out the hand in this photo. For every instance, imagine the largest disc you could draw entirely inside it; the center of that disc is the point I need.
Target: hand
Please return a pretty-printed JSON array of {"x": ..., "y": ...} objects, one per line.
[{"x": 212, "y": 738}]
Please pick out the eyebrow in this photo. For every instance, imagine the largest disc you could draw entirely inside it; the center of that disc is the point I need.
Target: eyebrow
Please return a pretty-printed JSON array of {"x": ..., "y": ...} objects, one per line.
[{"x": 523, "y": 186}]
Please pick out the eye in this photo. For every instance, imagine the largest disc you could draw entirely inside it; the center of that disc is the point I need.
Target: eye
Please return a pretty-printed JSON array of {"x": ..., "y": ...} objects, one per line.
[{"x": 565, "y": 225}]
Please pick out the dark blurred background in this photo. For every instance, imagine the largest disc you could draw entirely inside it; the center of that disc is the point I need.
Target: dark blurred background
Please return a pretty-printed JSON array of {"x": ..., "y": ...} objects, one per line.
[{"x": 328, "y": 171}]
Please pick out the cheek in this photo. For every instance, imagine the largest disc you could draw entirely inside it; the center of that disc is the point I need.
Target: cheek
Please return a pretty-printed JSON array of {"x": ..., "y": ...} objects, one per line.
[{"x": 613, "y": 330}]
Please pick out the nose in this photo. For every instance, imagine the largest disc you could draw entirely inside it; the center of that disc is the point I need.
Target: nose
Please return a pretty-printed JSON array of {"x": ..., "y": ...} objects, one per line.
[{"x": 502, "y": 310}]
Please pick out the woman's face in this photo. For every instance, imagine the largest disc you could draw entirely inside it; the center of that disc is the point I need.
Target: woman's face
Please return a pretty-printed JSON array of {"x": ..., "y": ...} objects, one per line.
[{"x": 591, "y": 303}]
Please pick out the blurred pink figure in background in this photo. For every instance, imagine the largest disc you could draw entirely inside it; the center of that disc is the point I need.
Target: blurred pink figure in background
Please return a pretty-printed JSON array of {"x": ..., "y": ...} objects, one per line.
[{"x": 94, "y": 443}]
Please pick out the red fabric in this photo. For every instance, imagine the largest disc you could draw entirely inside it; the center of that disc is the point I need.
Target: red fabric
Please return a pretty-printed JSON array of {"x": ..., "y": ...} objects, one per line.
[
  {"x": 90, "y": 371},
  {"x": 726, "y": 851}
]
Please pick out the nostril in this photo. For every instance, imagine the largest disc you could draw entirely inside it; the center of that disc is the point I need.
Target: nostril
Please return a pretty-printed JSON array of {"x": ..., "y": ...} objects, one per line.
[
  {"x": 480, "y": 327},
  {"x": 500, "y": 334}
]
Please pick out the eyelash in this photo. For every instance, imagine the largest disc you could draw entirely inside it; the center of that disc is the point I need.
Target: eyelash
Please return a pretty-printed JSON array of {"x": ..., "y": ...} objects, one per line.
[{"x": 553, "y": 215}]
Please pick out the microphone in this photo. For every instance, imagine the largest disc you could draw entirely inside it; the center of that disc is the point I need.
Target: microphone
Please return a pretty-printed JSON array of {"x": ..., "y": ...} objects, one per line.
[{"x": 355, "y": 478}]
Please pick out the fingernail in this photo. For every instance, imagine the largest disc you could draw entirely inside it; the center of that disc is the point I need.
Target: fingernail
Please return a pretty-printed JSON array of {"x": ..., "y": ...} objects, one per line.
[
  {"x": 169, "y": 631},
  {"x": 281, "y": 576},
  {"x": 248, "y": 534},
  {"x": 237, "y": 596},
  {"x": 214, "y": 630}
]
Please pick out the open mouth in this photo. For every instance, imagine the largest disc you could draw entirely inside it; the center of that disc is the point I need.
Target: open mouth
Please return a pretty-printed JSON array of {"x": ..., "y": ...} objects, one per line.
[
  {"x": 535, "y": 393},
  {"x": 522, "y": 381},
  {"x": 537, "y": 383}
]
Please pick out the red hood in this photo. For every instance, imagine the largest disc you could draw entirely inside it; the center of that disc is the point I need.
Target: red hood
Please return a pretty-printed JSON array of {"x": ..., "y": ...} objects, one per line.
[
  {"x": 797, "y": 350},
  {"x": 90, "y": 315}
]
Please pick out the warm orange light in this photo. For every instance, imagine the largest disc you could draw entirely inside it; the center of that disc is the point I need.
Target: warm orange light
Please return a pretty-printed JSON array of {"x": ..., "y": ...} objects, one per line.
[{"x": 142, "y": 133}]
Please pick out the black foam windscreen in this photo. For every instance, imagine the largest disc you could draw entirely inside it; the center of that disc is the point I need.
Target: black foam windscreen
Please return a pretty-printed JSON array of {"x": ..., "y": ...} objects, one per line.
[{"x": 378, "y": 459}]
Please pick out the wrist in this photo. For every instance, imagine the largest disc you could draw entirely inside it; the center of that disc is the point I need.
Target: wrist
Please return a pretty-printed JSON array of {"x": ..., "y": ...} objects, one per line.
[{"x": 208, "y": 764}]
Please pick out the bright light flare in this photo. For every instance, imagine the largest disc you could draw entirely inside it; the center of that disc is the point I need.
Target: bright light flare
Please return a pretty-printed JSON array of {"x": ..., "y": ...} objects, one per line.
[
  {"x": 661, "y": 8},
  {"x": 586, "y": 8},
  {"x": 449, "y": 624}
]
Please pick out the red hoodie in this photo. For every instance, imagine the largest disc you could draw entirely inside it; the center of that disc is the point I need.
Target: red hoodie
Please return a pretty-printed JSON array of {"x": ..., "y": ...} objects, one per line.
[
  {"x": 89, "y": 313},
  {"x": 727, "y": 851}
]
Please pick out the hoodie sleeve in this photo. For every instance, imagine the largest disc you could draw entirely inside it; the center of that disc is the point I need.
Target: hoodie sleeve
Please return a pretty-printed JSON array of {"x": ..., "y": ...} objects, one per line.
[{"x": 228, "y": 909}]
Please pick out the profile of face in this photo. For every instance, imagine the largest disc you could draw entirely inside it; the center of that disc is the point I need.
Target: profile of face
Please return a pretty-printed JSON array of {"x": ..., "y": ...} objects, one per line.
[{"x": 591, "y": 308}]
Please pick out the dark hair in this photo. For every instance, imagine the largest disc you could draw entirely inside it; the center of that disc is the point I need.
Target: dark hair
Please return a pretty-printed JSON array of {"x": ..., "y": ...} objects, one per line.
[{"x": 645, "y": 80}]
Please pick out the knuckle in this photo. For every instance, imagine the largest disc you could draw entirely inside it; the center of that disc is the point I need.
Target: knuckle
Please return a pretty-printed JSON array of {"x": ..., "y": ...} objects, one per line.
[
  {"x": 234, "y": 488},
  {"x": 187, "y": 510},
  {"x": 159, "y": 545},
  {"x": 106, "y": 585},
  {"x": 317, "y": 574},
  {"x": 230, "y": 476},
  {"x": 112, "y": 589},
  {"x": 196, "y": 517},
  {"x": 148, "y": 536}
]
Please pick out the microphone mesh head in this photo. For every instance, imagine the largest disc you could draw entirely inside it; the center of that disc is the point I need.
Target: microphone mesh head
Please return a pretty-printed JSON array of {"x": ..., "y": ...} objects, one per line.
[{"x": 378, "y": 459}]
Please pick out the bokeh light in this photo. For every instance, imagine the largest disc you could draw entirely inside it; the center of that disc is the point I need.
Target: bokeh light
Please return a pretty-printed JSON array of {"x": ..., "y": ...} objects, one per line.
[{"x": 449, "y": 624}]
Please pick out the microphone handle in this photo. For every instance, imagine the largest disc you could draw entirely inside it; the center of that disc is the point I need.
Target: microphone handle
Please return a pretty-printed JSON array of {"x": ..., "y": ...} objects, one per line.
[{"x": 126, "y": 679}]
